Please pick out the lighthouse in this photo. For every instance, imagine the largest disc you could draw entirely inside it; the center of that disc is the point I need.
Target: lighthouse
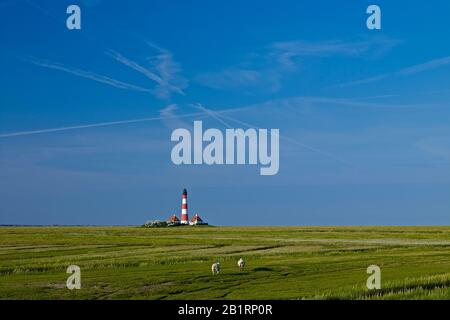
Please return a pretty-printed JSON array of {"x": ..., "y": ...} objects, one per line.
[{"x": 184, "y": 213}]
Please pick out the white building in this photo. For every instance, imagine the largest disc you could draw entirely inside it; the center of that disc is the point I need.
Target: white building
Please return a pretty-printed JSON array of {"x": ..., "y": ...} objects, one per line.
[{"x": 196, "y": 220}]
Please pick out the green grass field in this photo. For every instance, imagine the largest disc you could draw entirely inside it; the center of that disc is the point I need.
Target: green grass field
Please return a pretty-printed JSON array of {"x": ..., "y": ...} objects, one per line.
[{"x": 175, "y": 263}]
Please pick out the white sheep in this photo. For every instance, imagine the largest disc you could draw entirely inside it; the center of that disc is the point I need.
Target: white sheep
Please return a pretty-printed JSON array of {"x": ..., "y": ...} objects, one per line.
[
  {"x": 241, "y": 264},
  {"x": 215, "y": 268}
]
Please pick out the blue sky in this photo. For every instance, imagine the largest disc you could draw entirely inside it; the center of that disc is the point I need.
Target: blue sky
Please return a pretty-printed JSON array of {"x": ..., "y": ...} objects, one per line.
[{"x": 366, "y": 113}]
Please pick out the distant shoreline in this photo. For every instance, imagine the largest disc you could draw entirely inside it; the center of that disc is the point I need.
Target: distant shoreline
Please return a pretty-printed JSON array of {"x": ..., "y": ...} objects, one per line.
[
  {"x": 69, "y": 225},
  {"x": 244, "y": 226}
]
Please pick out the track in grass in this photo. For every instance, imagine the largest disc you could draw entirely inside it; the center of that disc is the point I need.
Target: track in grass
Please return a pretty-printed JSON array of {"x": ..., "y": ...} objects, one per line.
[{"x": 175, "y": 263}]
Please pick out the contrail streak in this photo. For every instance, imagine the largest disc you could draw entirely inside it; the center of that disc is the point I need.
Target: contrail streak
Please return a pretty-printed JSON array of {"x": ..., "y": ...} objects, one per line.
[
  {"x": 110, "y": 123},
  {"x": 88, "y": 75},
  {"x": 323, "y": 153},
  {"x": 146, "y": 72},
  {"x": 212, "y": 115},
  {"x": 92, "y": 125},
  {"x": 418, "y": 68}
]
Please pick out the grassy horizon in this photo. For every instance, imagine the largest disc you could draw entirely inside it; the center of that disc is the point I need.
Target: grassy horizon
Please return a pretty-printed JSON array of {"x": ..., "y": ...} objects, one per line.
[{"x": 130, "y": 262}]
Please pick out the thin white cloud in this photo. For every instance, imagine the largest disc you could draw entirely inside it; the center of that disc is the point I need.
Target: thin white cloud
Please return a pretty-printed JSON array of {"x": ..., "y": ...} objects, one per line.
[
  {"x": 92, "y": 125},
  {"x": 165, "y": 64},
  {"x": 212, "y": 114},
  {"x": 359, "y": 102},
  {"x": 418, "y": 68},
  {"x": 170, "y": 119},
  {"x": 221, "y": 117},
  {"x": 168, "y": 110},
  {"x": 266, "y": 70},
  {"x": 135, "y": 66},
  {"x": 233, "y": 77},
  {"x": 243, "y": 79},
  {"x": 362, "y": 81},
  {"x": 433, "y": 64},
  {"x": 88, "y": 75},
  {"x": 285, "y": 52},
  {"x": 306, "y": 48},
  {"x": 164, "y": 71},
  {"x": 165, "y": 114}
]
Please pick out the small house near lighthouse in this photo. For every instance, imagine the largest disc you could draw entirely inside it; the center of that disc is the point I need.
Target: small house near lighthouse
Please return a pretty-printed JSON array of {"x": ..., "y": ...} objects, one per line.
[
  {"x": 196, "y": 220},
  {"x": 173, "y": 220}
]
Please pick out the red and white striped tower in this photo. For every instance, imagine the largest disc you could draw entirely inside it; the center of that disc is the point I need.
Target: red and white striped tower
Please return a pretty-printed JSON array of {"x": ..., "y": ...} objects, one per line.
[{"x": 184, "y": 213}]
